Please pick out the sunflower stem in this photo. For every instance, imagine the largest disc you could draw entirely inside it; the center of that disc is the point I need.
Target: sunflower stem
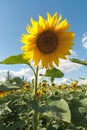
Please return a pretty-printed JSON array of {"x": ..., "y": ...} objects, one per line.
[
  {"x": 35, "y": 98},
  {"x": 32, "y": 68},
  {"x": 35, "y": 84}
]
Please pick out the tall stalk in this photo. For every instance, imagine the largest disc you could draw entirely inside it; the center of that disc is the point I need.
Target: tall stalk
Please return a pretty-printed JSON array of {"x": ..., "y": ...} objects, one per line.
[{"x": 35, "y": 98}]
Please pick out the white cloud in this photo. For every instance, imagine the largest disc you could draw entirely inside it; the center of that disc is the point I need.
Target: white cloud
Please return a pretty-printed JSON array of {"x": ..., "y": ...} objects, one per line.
[
  {"x": 23, "y": 72},
  {"x": 63, "y": 81},
  {"x": 81, "y": 82},
  {"x": 84, "y": 40},
  {"x": 27, "y": 73},
  {"x": 3, "y": 75},
  {"x": 68, "y": 81},
  {"x": 68, "y": 66},
  {"x": 2, "y": 78},
  {"x": 73, "y": 54}
]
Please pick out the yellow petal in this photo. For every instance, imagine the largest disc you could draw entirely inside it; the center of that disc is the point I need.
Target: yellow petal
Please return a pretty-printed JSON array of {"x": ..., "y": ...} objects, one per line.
[{"x": 34, "y": 23}]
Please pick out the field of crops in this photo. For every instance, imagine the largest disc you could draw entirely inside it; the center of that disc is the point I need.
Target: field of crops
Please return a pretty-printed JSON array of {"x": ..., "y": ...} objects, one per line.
[{"x": 57, "y": 106}]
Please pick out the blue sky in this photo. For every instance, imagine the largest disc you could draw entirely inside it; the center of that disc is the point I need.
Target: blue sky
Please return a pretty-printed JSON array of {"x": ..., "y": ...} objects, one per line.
[{"x": 16, "y": 14}]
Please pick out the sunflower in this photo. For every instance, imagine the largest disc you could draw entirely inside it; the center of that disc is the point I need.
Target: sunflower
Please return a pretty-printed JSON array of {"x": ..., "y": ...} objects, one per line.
[
  {"x": 39, "y": 92},
  {"x": 74, "y": 85},
  {"x": 3, "y": 93},
  {"x": 47, "y": 40}
]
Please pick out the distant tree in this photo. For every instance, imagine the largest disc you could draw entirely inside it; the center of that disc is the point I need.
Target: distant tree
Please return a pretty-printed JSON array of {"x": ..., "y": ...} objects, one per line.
[
  {"x": 17, "y": 80},
  {"x": 8, "y": 76}
]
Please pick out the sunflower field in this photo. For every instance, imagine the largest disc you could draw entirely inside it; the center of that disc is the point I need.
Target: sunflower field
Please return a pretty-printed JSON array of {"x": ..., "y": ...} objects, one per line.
[
  {"x": 42, "y": 104},
  {"x": 58, "y": 107}
]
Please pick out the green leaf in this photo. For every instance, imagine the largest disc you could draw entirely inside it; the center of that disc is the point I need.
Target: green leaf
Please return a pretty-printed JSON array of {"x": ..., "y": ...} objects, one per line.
[
  {"x": 56, "y": 73},
  {"x": 15, "y": 59},
  {"x": 34, "y": 105},
  {"x": 77, "y": 117},
  {"x": 83, "y": 102},
  {"x": 61, "y": 108},
  {"x": 3, "y": 127},
  {"x": 51, "y": 128},
  {"x": 73, "y": 128},
  {"x": 83, "y": 62},
  {"x": 42, "y": 129}
]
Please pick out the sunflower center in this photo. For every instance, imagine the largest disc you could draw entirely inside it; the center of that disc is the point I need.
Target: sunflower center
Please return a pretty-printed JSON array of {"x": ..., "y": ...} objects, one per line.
[{"x": 47, "y": 42}]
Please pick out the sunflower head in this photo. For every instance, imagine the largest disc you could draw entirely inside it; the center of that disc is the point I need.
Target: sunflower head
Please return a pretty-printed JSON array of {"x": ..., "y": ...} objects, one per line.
[
  {"x": 4, "y": 93},
  {"x": 74, "y": 85},
  {"x": 39, "y": 93},
  {"x": 47, "y": 40}
]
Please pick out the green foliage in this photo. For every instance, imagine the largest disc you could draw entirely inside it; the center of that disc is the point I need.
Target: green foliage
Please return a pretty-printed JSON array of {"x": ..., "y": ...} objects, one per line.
[
  {"x": 16, "y": 80},
  {"x": 17, "y": 115},
  {"x": 82, "y": 62},
  {"x": 53, "y": 73},
  {"x": 56, "y": 111},
  {"x": 15, "y": 59},
  {"x": 8, "y": 87}
]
